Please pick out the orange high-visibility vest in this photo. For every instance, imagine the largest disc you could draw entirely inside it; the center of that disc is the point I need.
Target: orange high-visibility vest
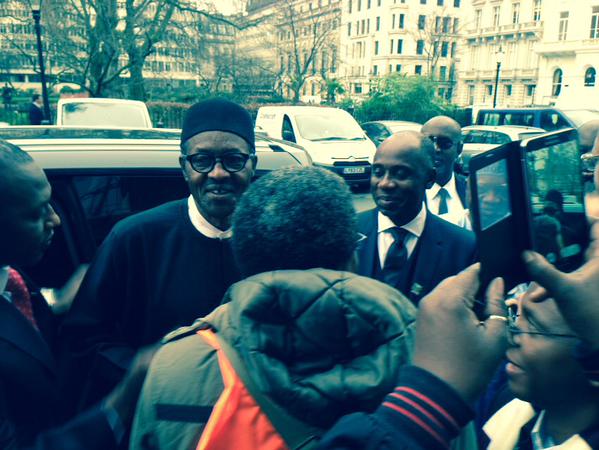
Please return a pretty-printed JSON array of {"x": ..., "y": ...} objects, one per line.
[{"x": 237, "y": 422}]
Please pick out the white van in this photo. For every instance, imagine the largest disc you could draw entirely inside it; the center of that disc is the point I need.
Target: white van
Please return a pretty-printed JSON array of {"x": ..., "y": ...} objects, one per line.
[
  {"x": 102, "y": 112},
  {"x": 331, "y": 136}
]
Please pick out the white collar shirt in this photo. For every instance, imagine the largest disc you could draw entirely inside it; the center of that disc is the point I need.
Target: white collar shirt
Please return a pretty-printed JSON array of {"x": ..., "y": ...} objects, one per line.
[
  {"x": 202, "y": 225},
  {"x": 455, "y": 209},
  {"x": 385, "y": 238}
]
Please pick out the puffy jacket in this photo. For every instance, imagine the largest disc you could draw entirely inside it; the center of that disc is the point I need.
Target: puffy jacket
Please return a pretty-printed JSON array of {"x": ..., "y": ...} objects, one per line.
[{"x": 319, "y": 343}]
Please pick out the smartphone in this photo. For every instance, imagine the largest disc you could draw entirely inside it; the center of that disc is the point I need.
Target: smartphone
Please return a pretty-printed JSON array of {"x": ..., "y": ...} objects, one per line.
[{"x": 528, "y": 195}]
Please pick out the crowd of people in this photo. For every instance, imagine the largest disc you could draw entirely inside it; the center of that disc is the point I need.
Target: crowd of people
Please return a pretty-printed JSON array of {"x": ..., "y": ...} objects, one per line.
[{"x": 269, "y": 315}]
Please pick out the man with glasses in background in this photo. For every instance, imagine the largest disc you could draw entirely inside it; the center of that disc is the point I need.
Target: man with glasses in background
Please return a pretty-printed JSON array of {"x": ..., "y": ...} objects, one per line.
[
  {"x": 447, "y": 197},
  {"x": 163, "y": 268}
]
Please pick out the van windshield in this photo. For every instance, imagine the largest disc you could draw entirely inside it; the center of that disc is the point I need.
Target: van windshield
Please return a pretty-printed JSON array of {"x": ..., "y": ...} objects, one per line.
[
  {"x": 329, "y": 126},
  {"x": 103, "y": 115}
]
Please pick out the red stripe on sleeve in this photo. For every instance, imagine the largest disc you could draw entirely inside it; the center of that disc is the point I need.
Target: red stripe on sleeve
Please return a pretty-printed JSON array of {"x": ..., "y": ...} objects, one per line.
[
  {"x": 419, "y": 422},
  {"x": 418, "y": 407},
  {"x": 435, "y": 405}
]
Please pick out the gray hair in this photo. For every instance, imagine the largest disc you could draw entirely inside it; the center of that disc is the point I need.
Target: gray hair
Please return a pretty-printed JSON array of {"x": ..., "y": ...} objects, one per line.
[{"x": 294, "y": 218}]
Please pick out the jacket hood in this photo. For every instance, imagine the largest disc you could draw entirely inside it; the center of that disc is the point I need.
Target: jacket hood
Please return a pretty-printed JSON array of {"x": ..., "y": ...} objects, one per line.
[{"x": 320, "y": 343}]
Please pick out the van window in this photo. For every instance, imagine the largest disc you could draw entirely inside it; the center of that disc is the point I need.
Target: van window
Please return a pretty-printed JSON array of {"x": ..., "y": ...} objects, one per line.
[
  {"x": 489, "y": 118},
  {"x": 485, "y": 137},
  {"x": 519, "y": 118},
  {"x": 287, "y": 131},
  {"x": 329, "y": 125}
]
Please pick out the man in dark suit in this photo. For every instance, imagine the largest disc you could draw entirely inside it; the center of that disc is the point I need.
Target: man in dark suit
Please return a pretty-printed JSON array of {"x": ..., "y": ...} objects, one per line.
[
  {"x": 31, "y": 400},
  {"x": 36, "y": 112},
  {"x": 406, "y": 246},
  {"x": 447, "y": 197}
]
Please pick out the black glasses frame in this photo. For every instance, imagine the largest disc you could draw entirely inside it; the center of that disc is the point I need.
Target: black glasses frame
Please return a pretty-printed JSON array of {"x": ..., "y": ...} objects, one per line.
[
  {"x": 222, "y": 159},
  {"x": 513, "y": 329}
]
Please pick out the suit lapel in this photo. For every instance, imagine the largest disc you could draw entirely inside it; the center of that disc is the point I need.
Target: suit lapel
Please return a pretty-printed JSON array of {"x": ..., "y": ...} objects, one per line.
[
  {"x": 15, "y": 329},
  {"x": 460, "y": 184},
  {"x": 368, "y": 253},
  {"x": 430, "y": 253}
]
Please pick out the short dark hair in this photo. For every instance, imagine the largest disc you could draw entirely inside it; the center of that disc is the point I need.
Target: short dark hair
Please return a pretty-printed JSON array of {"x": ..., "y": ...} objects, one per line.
[
  {"x": 34, "y": 97},
  {"x": 294, "y": 218}
]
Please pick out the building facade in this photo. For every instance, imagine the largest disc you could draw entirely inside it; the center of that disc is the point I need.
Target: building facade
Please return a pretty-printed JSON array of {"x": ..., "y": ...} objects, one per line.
[{"x": 411, "y": 37}]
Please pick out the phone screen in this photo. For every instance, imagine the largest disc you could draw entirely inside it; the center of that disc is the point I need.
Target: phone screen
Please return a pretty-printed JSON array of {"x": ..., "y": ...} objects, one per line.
[
  {"x": 553, "y": 178},
  {"x": 493, "y": 194}
]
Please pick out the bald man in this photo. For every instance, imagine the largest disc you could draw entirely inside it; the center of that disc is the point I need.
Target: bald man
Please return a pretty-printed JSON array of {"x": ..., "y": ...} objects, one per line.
[
  {"x": 586, "y": 135},
  {"x": 406, "y": 246},
  {"x": 447, "y": 196}
]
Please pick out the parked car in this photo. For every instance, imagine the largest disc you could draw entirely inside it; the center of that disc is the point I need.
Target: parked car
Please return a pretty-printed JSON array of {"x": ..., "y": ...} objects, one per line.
[
  {"x": 379, "y": 130},
  {"x": 480, "y": 138},
  {"x": 331, "y": 136},
  {"x": 547, "y": 118},
  {"x": 99, "y": 177},
  {"x": 102, "y": 113}
]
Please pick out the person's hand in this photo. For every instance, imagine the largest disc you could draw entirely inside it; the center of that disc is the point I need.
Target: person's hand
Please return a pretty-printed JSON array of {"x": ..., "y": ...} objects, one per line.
[
  {"x": 452, "y": 343},
  {"x": 123, "y": 398},
  {"x": 576, "y": 293}
]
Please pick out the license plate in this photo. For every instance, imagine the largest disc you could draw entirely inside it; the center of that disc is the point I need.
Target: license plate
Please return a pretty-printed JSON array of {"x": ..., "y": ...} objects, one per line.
[{"x": 349, "y": 170}]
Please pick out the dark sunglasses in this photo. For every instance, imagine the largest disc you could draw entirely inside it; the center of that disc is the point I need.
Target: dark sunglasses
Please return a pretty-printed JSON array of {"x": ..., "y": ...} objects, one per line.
[
  {"x": 205, "y": 162},
  {"x": 444, "y": 143}
]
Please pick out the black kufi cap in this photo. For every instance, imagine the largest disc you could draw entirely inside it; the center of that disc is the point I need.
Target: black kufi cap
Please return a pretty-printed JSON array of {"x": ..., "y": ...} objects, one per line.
[{"x": 218, "y": 114}]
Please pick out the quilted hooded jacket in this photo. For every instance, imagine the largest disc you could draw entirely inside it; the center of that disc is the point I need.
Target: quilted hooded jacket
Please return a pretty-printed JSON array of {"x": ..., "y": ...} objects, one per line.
[{"x": 318, "y": 343}]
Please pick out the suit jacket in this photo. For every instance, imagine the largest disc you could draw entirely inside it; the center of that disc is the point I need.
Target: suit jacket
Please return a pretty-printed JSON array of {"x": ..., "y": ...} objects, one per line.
[
  {"x": 461, "y": 186},
  {"x": 31, "y": 399},
  {"x": 36, "y": 115},
  {"x": 443, "y": 250}
]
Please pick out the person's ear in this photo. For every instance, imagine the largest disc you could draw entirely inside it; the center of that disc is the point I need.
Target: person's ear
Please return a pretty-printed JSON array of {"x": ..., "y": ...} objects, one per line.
[
  {"x": 431, "y": 178},
  {"x": 459, "y": 147},
  {"x": 182, "y": 163}
]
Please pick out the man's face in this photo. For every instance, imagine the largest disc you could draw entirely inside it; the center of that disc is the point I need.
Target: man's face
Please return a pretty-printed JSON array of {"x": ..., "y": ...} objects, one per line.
[
  {"x": 400, "y": 178},
  {"x": 541, "y": 368},
  {"x": 27, "y": 219},
  {"x": 447, "y": 144},
  {"x": 216, "y": 193}
]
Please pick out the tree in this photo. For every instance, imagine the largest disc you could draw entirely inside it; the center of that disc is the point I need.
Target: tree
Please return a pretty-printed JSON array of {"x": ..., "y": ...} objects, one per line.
[{"x": 302, "y": 36}]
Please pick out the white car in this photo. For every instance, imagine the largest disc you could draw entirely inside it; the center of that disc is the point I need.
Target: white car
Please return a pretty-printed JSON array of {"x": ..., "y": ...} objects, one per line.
[
  {"x": 102, "y": 113},
  {"x": 480, "y": 138},
  {"x": 379, "y": 130}
]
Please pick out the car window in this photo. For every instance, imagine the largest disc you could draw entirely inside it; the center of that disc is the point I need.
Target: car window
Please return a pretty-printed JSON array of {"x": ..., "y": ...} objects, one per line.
[
  {"x": 485, "y": 137},
  {"x": 106, "y": 199},
  {"x": 287, "y": 131},
  {"x": 328, "y": 125},
  {"x": 551, "y": 120},
  {"x": 488, "y": 118},
  {"x": 102, "y": 115},
  {"x": 519, "y": 118},
  {"x": 523, "y": 136}
]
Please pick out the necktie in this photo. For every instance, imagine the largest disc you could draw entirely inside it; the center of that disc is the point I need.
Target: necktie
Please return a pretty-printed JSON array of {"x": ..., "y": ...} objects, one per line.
[
  {"x": 443, "y": 195},
  {"x": 397, "y": 257},
  {"x": 20, "y": 296}
]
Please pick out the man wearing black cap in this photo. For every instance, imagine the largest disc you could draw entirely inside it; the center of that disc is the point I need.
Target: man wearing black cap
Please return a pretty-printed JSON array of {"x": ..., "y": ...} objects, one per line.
[{"x": 165, "y": 267}]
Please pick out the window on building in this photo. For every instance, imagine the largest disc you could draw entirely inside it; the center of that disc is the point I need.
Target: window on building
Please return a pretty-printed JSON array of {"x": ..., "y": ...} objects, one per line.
[
  {"x": 477, "y": 18},
  {"x": 453, "y": 49},
  {"x": 446, "y": 24},
  {"x": 441, "y": 92},
  {"x": 359, "y": 5},
  {"x": 375, "y": 70},
  {"x": 349, "y": 5},
  {"x": 508, "y": 90},
  {"x": 378, "y": 3},
  {"x": 437, "y": 23},
  {"x": 489, "y": 89},
  {"x": 440, "y": 2},
  {"x": 349, "y": 29},
  {"x": 391, "y": 46},
  {"x": 530, "y": 90},
  {"x": 393, "y": 21},
  {"x": 400, "y": 46},
  {"x": 589, "y": 76},
  {"x": 376, "y": 47},
  {"x": 357, "y": 88},
  {"x": 471, "y": 94},
  {"x": 456, "y": 22},
  {"x": 402, "y": 20},
  {"x": 398, "y": 67},
  {"x": 421, "y": 22},
  {"x": 496, "y": 14},
  {"x": 378, "y": 23},
  {"x": 515, "y": 12},
  {"x": 423, "y": 2},
  {"x": 536, "y": 12},
  {"x": 420, "y": 47},
  {"x": 456, "y": 3},
  {"x": 368, "y": 26},
  {"x": 418, "y": 69},
  {"x": 595, "y": 23},
  {"x": 557, "y": 82},
  {"x": 368, "y": 6},
  {"x": 444, "y": 49},
  {"x": 563, "y": 26},
  {"x": 442, "y": 73}
]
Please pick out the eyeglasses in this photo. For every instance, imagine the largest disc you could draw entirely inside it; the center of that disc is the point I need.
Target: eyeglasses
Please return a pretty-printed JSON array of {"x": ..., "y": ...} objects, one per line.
[
  {"x": 204, "y": 162},
  {"x": 444, "y": 143},
  {"x": 589, "y": 161},
  {"x": 513, "y": 328}
]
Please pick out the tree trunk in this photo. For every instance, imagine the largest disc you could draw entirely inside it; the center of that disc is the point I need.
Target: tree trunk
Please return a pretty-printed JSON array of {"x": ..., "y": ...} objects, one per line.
[{"x": 137, "y": 89}]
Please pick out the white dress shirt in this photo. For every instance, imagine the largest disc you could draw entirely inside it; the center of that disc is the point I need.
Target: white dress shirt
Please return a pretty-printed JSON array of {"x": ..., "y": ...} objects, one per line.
[
  {"x": 202, "y": 225},
  {"x": 455, "y": 209},
  {"x": 386, "y": 239}
]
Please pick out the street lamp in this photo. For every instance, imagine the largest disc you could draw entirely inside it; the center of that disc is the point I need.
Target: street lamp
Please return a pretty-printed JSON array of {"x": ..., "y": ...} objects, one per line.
[
  {"x": 499, "y": 57},
  {"x": 40, "y": 55}
]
